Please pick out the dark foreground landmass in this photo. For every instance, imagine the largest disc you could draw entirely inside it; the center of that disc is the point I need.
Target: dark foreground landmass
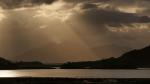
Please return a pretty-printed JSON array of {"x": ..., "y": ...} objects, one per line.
[{"x": 72, "y": 81}]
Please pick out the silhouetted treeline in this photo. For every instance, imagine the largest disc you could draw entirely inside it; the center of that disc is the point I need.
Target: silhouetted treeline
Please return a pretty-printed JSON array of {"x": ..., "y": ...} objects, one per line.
[{"x": 130, "y": 60}]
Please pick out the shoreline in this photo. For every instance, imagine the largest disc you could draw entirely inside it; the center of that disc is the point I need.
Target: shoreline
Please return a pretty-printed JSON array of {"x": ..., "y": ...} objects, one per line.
[{"x": 51, "y": 80}]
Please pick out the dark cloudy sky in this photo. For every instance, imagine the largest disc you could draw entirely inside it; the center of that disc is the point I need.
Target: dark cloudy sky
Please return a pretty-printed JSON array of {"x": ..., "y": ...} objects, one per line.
[{"x": 55, "y": 31}]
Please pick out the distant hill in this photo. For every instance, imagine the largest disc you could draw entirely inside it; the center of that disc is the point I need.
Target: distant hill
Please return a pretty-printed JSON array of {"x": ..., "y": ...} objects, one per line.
[
  {"x": 6, "y": 64},
  {"x": 32, "y": 65},
  {"x": 130, "y": 60}
]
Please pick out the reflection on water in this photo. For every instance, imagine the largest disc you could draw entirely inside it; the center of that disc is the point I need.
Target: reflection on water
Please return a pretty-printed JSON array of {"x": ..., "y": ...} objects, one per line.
[
  {"x": 8, "y": 73},
  {"x": 77, "y": 73}
]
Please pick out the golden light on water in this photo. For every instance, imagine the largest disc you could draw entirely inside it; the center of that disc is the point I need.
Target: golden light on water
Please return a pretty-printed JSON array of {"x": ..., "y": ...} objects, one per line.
[{"x": 7, "y": 73}]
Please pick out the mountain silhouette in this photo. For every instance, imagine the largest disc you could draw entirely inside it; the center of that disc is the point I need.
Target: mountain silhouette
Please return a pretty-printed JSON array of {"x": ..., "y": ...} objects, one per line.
[{"x": 138, "y": 58}]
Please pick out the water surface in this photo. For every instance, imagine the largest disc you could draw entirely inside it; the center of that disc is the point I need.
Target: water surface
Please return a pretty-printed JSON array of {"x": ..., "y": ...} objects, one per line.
[{"x": 76, "y": 73}]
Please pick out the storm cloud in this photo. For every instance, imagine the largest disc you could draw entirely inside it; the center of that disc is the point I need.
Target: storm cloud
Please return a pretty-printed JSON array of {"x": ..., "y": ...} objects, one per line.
[
  {"x": 10, "y": 4},
  {"x": 104, "y": 17}
]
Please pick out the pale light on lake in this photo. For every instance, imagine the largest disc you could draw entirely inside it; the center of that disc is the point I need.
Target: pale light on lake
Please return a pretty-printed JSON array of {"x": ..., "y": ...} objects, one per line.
[{"x": 76, "y": 73}]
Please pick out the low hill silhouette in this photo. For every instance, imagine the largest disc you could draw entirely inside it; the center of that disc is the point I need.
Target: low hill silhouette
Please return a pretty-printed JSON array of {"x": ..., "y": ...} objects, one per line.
[
  {"x": 6, "y": 64},
  {"x": 133, "y": 59},
  {"x": 138, "y": 58}
]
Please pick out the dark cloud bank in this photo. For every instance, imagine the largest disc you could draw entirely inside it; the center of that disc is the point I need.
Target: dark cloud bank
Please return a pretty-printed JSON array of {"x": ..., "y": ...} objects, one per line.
[
  {"x": 101, "y": 16},
  {"x": 9, "y": 4}
]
